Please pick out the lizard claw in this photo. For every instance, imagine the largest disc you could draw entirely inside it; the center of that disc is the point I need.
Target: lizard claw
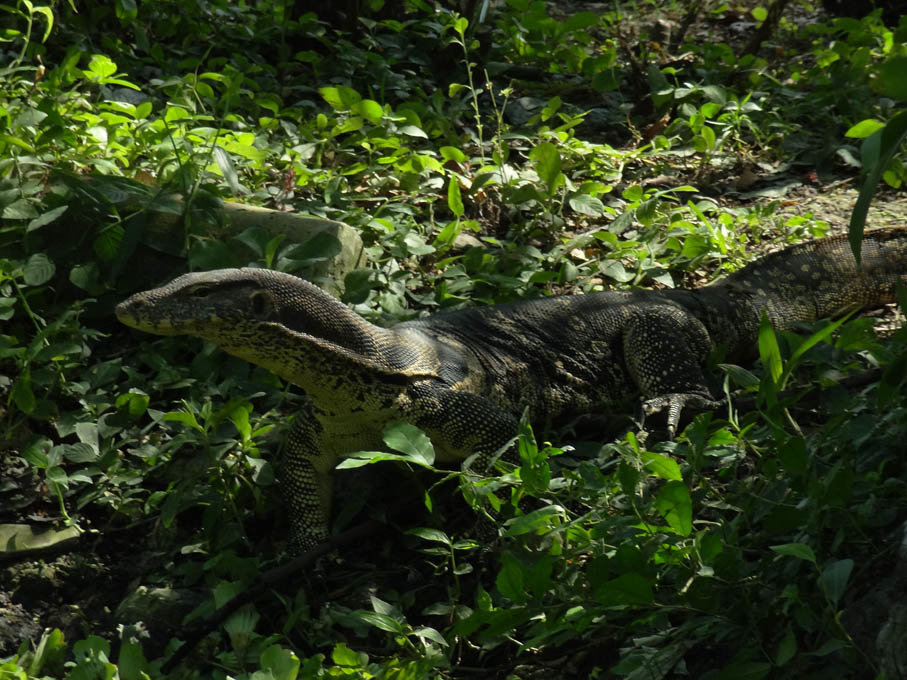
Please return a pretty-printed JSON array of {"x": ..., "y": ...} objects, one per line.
[{"x": 675, "y": 402}]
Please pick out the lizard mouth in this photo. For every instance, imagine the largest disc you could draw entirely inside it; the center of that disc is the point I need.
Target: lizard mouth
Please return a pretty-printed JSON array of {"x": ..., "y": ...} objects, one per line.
[{"x": 129, "y": 312}]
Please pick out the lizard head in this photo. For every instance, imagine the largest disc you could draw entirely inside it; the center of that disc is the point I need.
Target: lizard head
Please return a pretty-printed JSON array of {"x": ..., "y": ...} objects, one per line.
[
  {"x": 211, "y": 305},
  {"x": 270, "y": 318}
]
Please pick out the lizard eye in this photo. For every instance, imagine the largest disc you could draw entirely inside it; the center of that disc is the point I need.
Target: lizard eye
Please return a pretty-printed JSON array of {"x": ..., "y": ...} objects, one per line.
[{"x": 261, "y": 305}]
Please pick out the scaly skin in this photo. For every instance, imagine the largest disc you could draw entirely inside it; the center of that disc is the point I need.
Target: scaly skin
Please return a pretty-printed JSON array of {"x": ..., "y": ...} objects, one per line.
[{"x": 465, "y": 377}]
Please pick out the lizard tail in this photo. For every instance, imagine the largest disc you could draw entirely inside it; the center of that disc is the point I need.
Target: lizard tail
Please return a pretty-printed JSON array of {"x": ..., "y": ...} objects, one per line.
[{"x": 821, "y": 278}]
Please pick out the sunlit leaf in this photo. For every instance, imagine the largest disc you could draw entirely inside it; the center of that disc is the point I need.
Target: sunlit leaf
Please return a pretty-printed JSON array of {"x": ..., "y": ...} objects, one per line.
[
  {"x": 454, "y": 200},
  {"x": 674, "y": 504},
  {"x": 661, "y": 465}
]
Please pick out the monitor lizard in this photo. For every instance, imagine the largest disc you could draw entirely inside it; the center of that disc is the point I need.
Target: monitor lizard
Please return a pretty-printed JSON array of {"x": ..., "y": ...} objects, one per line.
[{"x": 466, "y": 376}]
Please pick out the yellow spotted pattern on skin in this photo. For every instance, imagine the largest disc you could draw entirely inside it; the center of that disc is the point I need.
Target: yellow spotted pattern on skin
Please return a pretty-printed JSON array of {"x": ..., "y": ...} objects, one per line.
[{"x": 465, "y": 377}]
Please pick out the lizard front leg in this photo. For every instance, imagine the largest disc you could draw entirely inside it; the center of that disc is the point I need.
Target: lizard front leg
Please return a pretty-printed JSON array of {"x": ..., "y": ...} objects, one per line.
[
  {"x": 461, "y": 424},
  {"x": 458, "y": 423},
  {"x": 665, "y": 348},
  {"x": 306, "y": 482}
]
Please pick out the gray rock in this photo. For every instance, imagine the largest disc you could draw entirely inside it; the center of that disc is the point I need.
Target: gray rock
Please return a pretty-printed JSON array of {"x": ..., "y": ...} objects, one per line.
[{"x": 155, "y": 612}]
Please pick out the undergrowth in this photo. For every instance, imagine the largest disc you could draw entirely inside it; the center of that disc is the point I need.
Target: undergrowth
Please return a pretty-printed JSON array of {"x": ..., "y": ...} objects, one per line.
[{"x": 735, "y": 551}]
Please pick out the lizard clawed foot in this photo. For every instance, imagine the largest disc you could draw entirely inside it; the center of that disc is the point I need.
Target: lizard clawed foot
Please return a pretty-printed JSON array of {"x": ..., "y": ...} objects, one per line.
[{"x": 675, "y": 402}]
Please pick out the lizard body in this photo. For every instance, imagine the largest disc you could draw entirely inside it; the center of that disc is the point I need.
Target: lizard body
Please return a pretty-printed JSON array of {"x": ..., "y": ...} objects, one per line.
[{"x": 465, "y": 377}]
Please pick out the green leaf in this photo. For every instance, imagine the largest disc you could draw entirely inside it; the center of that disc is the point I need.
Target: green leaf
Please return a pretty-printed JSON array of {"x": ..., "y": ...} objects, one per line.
[
  {"x": 427, "y": 633},
  {"x": 48, "y": 15},
  {"x": 225, "y": 163},
  {"x": 673, "y": 502},
  {"x": 831, "y": 646},
  {"x": 36, "y": 452},
  {"x": 581, "y": 21},
  {"x": 282, "y": 663},
  {"x": 792, "y": 454},
  {"x": 510, "y": 580},
  {"x": 344, "y": 656},
  {"x": 769, "y": 351},
  {"x": 126, "y": 10},
  {"x": 184, "y": 417},
  {"x": 834, "y": 577},
  {"x": 740, "y": 375},
  {"x": 707, "y": 135},
  {"x": 800, "y": 550},
  {"x": 361, "y": 458},
  {"x": 383, "y": 607},
  {"x": 886, "y": 143},
  {"x": 239, "y": 416},
  {"x": 93, "y": 649},
  {"x": 107, "y": 243},
  {"x": 548, "y": 165},
  {"x": 380, "y": 621},
  {"x": 585, "y": 204},
  {"x": 22, "y": 209},
  {"x": 340, "y": 98},
  {"x": 661, "y": 466},
  {"x": 351, "y": 124},
  {"x": 627, "y": 589},
  {"x": 38, "y": 270},
  {"x": 57, "y": 351},
  {"x": 454, "y": 200},
  {"x": 240, "y": 627},
  {"x": 46, "y": 218},
  {"x": 452, "y": 153},
  {"x": 633, "y": 194},
  {"x": 79, "y": 453},
  {"x": 101, "y": 67},
  {"x": 552, "y": 107},
  {"x": 760, "y": 14},
  {"x": 88, "y": 434},
  {"x": 15, "y": 141},
  {"x": 319, "y": 248},
  {"x": 814, "y": 339},
  {"x": 57, "y": 475},
  {"x": 174, "y": 113},
  {"x": 143, "y": 110},
  {"x": 254, "y": 239},
  {"x": 449, "y": 233},
  {"x": 629, "y": 478},
  {"x": 7, "y": 308},
  {"x": 430, "y": 535},
  {"x": 369, "y": 109},
  {"x": 22, "y": 394},
  {"x": 87, "y": 277},
  {"x": 543, "y": 519},
  {"x": 412, "y": 131},
  {"x": 538, "y": 578},
  {"x": 864, "y": 128},
  {"x": 536, "y": 476},
  {"x": 49, "y": 655},
  {"x": 411, "y": 442},
  {"x": 893, "y": 77},
  {"x": 787, "y": 649},
  {"x": 131, "y": 662},
  {"x": 212, "y": 254},
  {"x": 133, "y": 404}
]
